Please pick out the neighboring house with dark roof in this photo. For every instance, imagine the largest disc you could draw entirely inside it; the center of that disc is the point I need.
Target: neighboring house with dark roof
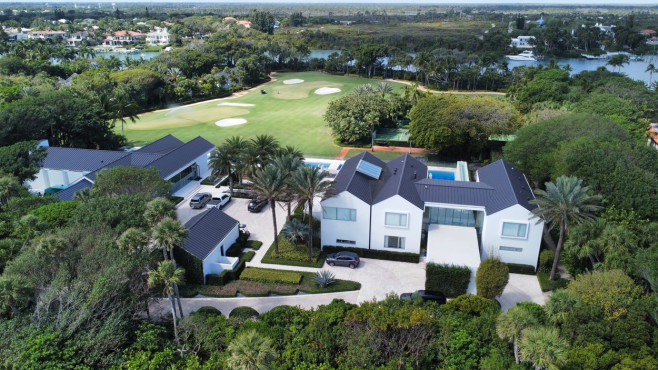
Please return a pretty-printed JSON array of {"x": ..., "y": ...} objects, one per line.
[
  {"x": 178, "y": 162},
  {"x": 210, "y": 235},
  {"x": 390, "y": 206}
]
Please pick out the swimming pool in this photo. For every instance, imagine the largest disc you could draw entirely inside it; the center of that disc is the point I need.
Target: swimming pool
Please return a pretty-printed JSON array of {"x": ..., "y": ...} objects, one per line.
[
  {"x": 321, "y": 165},
  {"x": 440, "y": 175}
]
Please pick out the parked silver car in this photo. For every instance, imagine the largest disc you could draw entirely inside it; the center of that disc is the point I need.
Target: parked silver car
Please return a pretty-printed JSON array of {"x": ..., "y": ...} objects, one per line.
[{"x": 199, "y": 200}]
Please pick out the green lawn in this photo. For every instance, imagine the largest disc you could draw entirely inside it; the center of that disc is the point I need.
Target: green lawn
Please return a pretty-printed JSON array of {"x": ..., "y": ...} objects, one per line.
[{"x": 291, "y": 113}]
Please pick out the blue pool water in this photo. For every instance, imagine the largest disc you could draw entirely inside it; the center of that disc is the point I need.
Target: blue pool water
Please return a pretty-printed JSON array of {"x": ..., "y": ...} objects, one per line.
[
  {"x": 340, "y": 166},
  {"x": 323, "y": 166},
  {"x": 440, "y": 175}
]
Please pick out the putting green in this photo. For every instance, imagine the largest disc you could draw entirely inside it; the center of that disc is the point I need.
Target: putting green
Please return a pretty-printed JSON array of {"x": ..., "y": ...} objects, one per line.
[{"x": 290, "y": 113}]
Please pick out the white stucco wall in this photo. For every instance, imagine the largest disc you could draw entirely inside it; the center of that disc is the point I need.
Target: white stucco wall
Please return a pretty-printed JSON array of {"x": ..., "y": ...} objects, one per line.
[
  {"x": 211, "y": 262},
  {"x": 347, "y": 230},
  {"x": 49, "y": 177},
  {"x": 411, "y": 233},
  {"x": 492, "y": 237}
]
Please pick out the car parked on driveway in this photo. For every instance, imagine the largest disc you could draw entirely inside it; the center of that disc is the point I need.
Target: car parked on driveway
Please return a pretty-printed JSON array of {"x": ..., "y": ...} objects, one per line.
[
  {"x": 257, "y": 204},
  {"x": 220, "y": 201},
  {"x": 344, "y": 258},
  {"x": 199, "y": 200},
  {"x": 425, "y": 295}
]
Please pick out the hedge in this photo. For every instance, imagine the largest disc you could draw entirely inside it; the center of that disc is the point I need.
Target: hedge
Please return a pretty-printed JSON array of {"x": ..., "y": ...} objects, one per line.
[
  {"x": 254, "y": 244},
  {"x": 271, "y": 276},
  {"x": 235, "y": 249},
  {"x": 249, "y": 256},
  {"x": 547, "y": 285},
  {"x": 226, "y": 276},
  {"x": 491, "y": 278},
  {"x": 192, "y": 265},
  {"x": 472, "y": 305},
  {"x": 376, "y": 254},
  {"x": 521, "y": 269},
  {"x": 451, "y": 280}
]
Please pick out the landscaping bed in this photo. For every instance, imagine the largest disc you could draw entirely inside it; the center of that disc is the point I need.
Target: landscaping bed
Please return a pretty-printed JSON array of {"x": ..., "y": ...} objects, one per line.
[
  {"x": 260, "y": 289},
  {"x": 547, "y": 285},
  {"x": 291, "y": 256}
]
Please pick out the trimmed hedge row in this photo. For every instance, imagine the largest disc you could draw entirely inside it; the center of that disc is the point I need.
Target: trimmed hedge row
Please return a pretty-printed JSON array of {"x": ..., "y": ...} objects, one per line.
[
  {"x": 521, "y": 269},
  {"x": 249, "y": 256},
  {"x": 271, "y": 276},
  {"x": 226, "y": 276},
  {"x": 192, "y": 265},
  {"x": 376, "y": 254},
  {"x": 451, "y": 280},
  {"x": 254, "y": 244}
]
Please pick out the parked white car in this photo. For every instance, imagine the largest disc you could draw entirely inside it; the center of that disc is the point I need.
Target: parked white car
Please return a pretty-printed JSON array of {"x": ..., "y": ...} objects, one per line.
[{"x": 220, "y": 201}]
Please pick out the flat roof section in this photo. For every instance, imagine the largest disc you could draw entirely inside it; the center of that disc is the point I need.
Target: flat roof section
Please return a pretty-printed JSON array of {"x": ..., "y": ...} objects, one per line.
[{"x": 456, "y": 245}]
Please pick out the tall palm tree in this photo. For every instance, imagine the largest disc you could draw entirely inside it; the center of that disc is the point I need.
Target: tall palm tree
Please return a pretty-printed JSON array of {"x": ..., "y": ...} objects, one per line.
[
  {"x": 543, "y": 347},
  {"x": 560, "y": 304},
  {"x": 267, "y": 145},
  {"x": 82, "y": 195},
  {"x": 270, "y": 182},
  {"x": 563, "y": 202},
  {"x": 251, "y": 351},
  {"x": 294, "y": 230},
  {"x": 290, "y": 151},
  {"x": 122, "y": 107},
  {"x": 169, "y": 233},
  {"x": 310, "y": 182},
  {"x": 14, "y": 292},
  {"x": 511, "y": 323},
  {"x": 618, "y": 61},
  {"x": 167, "y": 275},
  {"x": 133, "y": 240},
  {"x": 235, "y": 145},
  {"x": 651, "y": 68},
  {"x": 222, "y": 162},
  {"x": 158, "y": 209},
  {"x": 288, "y": 164}
]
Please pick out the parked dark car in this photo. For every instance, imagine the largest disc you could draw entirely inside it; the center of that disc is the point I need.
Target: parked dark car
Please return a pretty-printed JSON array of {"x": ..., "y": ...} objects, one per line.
[
  {"x": 343, "y": 258},
  {"x": 426, "y": 295},
  {"x": 199, "y": 200},
  {"x": 257, "y": 204},
  {"x": 220, "y": 201}
]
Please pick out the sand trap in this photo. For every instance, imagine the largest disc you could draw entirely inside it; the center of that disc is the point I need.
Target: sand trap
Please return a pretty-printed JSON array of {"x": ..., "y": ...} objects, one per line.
[
  {"x": 327, "y": 90},
  {"x": 293, "y": 81},
  {"x": 231, "y": 122},
  {"x": 237, "y": 104}
]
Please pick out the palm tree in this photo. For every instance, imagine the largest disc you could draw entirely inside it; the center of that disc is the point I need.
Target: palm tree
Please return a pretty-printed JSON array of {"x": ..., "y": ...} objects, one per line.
[
  {"x": 169, "y": 233},
  {"x": 133, "y": 240},
  {"x": 221, "y": 162},
  {"x": 651, "y": 68},
  {"x": 82, "y": 195},
  {"x": 9, "y": 188},
  {"x": 563, "y": 202},
  {"x": 266, "y": 145},
  {"x": 560, "y": 304},
  {"x": 309, "y": 182},
  {"x": 50, "y": 246},
  {"x": 511, "y": 323},
  {"x": 290, "y": 151},
  {"x": 288, "y": 164},
  {"x": 251, "y": 351},
  {"x": 543, "y": 347},
  {"x": 270, "y": 182},
  {"x": 383, "y": 88},
  {"x": 295, "y": 230},
  {"x": 235, "y": 145},
  {"x": 122, "y": 107},
  {"x": 167, "y": 275},
  {"x": 618, "y": 61},
  {"x": 159, "y": 209},
  {"x": 14, "y": 292}
]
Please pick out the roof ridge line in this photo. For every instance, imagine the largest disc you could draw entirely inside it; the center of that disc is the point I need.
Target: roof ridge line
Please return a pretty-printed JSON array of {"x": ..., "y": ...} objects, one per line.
[{"x": 200, "y": 217}]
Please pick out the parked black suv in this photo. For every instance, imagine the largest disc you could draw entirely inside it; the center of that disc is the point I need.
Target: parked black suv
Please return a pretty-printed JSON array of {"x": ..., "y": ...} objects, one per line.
[
  {"x": 199, "y": 200},
  {"x": 426, "y": 295},
  {"x": 257, "y": 204},
  {"x": 343, "y": 258}
]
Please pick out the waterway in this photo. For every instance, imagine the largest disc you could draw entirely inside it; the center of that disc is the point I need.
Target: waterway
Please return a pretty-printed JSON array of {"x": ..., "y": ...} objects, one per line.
[
  {"x": 634, "y": 69},
  {"x": 123, "y": 56}
]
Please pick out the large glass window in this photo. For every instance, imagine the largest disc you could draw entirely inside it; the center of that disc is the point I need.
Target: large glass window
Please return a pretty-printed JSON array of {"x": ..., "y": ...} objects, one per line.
[
  {"x": 396, "y": 219},
  {"x": 514, "y": 230},
  {"x": 394, "y": 242},
  {"x": 336, "y": 213}
]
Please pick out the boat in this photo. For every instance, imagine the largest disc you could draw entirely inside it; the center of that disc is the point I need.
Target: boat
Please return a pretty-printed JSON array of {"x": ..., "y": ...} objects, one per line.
[
  {"x": 526, "y": 55},
  {"x": 595, "y": 57}
]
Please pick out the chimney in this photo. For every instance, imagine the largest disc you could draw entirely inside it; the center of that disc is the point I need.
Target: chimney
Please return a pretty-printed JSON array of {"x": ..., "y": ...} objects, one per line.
[{"x": 415, "y": 175}]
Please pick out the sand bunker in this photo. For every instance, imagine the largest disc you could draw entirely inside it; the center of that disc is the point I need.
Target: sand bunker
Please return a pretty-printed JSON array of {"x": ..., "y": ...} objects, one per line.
[
  {"x": 231, "y": 122},
  {"x": 237, "y": 104},
  {"x": 327, "y": 90},
  {"x": 293, "y": 81}
]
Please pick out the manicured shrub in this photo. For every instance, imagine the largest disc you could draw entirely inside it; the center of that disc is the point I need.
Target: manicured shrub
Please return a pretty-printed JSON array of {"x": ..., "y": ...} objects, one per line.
[
  {"x": 208, "y": 311},
  {"x": 547, "y": 285},
  {"x": 451, "y": 280},
  {"x": 471, "y": 305},
  {"x": 271, "y": 276},
  {"x": 546, "y": 260},
  {"x": 243, "y": 313},
  {"x": 249, "y": 256},
  {"x": 491, "y": 278},
  {"x": 536, "y": 310},
  {"x": 376, "y": 254},
  {"x": 521, "y": 269},
  {"x": 55, "y": 214},
  {"x": 254, "y": 244},
  {"x": 324, "y": 278},
  {"x": 235, "y": 249}
]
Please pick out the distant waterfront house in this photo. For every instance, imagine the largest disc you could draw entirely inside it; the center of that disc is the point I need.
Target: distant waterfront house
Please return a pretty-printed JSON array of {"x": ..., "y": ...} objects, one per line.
[
  {"x": 122, "y": 38},
  {"x": 46, "y": 35},
  {"x": 73, "y": 169},
  {"x": 652, "y": 132},
  {"x": 76, "y": 39},
  {"x": 396, "y": 207},
  {"x": 522, "y": 42},
  {"x": 211, "y": 233},
  {"x": 160, "y": 36}
]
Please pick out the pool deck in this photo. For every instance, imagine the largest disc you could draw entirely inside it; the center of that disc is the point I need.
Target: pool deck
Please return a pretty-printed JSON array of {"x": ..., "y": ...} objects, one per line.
[{"x": 334, "y": 164}]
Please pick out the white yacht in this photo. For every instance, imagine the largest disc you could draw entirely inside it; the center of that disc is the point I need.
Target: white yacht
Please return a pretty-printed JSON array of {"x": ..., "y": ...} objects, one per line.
[{"x": 526, "y": 55}]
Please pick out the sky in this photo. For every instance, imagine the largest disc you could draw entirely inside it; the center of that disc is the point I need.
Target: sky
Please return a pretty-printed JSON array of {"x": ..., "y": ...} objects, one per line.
[{"x": 428, "y": 2}]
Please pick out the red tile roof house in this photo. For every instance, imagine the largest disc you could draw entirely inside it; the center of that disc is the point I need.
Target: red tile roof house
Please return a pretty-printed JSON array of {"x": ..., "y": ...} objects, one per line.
[
  {"x": 652, "y": 132},
  {"x": 121, "y": 38}
]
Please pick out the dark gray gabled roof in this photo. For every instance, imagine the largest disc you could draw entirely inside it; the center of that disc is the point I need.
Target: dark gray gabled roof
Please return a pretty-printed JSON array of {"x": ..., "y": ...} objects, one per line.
[
  {"x": 174, "y": 160},
  {"x": 75, "y": 159},
  {"x": 161, "y": 146},
  {"x": 132, "y": 159},
  {"x": 511, "y": 186},
  {"x": 68, "y": 193},
  {"x": 358, "y": 184},
  {"x": 403, "y": 173},
  {"x": 454, "y": 192},
  {"x": 206, "y": 231}
]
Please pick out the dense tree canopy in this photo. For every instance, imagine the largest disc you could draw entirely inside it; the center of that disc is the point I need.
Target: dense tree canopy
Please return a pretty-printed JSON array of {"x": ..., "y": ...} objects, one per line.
[
  {"x": 22, "y": 160},
  {"x": 131, "y": 180}
]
